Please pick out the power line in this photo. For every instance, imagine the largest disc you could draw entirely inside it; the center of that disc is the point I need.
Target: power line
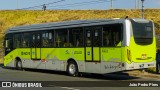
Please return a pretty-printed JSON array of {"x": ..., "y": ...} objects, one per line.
[
  {"x": 80, "y": 4},
  {"x": 65, "y": 5},
  {"x": 41, "y": 5},
  {"x": 68, "y": 5}
]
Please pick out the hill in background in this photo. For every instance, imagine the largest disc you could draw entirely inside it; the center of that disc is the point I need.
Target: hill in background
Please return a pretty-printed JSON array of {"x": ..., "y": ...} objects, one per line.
[{"x": 11, "y": 18}]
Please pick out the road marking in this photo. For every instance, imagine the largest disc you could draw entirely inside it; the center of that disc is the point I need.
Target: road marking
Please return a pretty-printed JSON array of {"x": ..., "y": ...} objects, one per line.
[
  {"x": 70, "y": 88},
  {"x": 65, "y": 87}
]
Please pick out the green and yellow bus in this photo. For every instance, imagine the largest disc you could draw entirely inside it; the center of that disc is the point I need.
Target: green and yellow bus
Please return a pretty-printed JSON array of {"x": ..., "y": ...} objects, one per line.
[{"x": 89, "y": 46}]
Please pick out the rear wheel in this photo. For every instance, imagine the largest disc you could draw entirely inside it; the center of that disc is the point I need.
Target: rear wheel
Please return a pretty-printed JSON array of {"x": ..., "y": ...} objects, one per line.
[
  {"x": 19, "y": 65},
  {"x": 72, "y": 69}
]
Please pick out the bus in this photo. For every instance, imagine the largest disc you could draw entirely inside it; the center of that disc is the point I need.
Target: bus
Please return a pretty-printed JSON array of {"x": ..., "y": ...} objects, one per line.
[{"x": 82, "y": 46}]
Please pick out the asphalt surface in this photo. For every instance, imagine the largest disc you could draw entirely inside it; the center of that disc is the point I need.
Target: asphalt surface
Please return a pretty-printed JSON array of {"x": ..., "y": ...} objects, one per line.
[{"x": 61, "y": 81}]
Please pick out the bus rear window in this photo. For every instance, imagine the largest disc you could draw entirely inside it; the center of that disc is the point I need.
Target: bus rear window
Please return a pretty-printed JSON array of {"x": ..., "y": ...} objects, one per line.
[{"x": 142, "y": 32}]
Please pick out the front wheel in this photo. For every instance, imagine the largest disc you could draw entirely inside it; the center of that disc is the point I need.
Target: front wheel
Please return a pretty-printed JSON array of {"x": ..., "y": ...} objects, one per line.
[
  {"x": 72, "y": 69},
  {"x": 19, "y": 65}
]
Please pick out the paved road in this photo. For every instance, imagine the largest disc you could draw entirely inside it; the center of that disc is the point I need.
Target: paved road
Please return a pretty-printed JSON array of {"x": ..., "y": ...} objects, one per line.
[{"x": 7, "y": 74}]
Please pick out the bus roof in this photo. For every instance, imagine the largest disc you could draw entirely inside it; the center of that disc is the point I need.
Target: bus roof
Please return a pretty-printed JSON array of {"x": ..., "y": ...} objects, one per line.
[{"x": 64, "y": 24}]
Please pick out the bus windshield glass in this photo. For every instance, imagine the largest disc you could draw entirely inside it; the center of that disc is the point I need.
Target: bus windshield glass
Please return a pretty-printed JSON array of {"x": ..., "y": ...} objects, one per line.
[{"x": 142, "y": 32}]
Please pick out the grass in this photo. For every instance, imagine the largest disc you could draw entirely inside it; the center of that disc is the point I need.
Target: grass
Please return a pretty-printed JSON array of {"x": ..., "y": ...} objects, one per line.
[
  {"x": 12, "y": 18},
  {"x": 151, "y": 70},
  {"x": 1, "y": 60},
  {"x": 21, "y": 17}
]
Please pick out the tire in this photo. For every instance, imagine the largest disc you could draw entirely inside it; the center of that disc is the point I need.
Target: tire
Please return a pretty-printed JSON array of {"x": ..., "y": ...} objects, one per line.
[
  {"x": 19, "y": 65},
  {"x": 72, "y": 69}
]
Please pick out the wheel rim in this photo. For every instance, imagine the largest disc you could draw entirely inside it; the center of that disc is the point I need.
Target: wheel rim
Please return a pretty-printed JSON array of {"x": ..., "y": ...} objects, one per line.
[{"x": 72, "y": 68}]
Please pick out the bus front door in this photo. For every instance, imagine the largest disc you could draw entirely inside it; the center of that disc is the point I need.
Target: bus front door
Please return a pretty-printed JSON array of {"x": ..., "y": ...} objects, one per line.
[
  {"x": 92, "y": 43},
  {"x": 35, "y": 46}
]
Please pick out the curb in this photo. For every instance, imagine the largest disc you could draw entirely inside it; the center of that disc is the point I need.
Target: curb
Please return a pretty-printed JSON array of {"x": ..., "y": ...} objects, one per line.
[{"x": 143, "y": 74}]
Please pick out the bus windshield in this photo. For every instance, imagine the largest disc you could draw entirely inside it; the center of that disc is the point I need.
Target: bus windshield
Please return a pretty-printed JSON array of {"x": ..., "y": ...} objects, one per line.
[{"x": 142, "y": 32}]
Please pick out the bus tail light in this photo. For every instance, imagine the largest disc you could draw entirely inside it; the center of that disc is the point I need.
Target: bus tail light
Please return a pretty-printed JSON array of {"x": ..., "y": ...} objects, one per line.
[{"x": 129, "y": 55}]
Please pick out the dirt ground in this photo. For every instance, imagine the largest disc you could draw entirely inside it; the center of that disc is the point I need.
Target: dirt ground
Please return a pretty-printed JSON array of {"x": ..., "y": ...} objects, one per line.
[
  {"x": 143, "y": 74},
  {"x": 1, "y": 60}
]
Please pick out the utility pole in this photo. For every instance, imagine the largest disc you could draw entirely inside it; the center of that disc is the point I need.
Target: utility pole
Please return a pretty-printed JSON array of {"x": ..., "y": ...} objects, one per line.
[
  {"x": 138, "y": 4},
  {"x": 44, "y": 7},
  {"x": 111, "y": 3},
  {"x": 17, "y": 5},
  {"x": 142, "y": 9},
  {"x": 111, "y": 7},
  {"x": 135, "y": 4}
]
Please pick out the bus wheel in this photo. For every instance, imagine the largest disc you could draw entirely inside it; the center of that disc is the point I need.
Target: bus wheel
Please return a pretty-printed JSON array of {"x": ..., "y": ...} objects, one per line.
[
  {"x": 72, "y": 69},
  {"x": 19, "y": 65}
]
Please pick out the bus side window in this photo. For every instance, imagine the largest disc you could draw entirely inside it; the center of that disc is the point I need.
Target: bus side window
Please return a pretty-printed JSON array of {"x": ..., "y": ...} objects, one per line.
[
  {"x": 112, "y": 35},
  {"x": 7, "y": 43},
  {"x": 17, "y": 40},
  {"x": 107, "y": 39},
  {"x": 116, "y": 38},
  {"x": 58, "y": 41},
  {"x": 50, "y": 39},
  {"x": 96, "y": 36},
  {"x": 76, "y": 37},
  {"x": 25, "y": 40},
  {"x": 24, "y": 43},
  {"x": 117, "y": 35},
  {"x": 61, "y": 38},
  {"x": 88, "y": 38},
  {"x": 88, "y": 41},
  {"x": 45, "y": 39}
]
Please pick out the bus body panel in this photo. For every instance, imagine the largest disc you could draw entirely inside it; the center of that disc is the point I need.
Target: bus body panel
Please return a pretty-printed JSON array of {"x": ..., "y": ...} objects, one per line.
[
  {"x": 141, "y": 56},
  {"x": 126, "y": 55}
]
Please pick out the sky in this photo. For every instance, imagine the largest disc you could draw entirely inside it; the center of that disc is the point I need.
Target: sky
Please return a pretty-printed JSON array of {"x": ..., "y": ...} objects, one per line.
[{"x": 76, "y": 4}]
